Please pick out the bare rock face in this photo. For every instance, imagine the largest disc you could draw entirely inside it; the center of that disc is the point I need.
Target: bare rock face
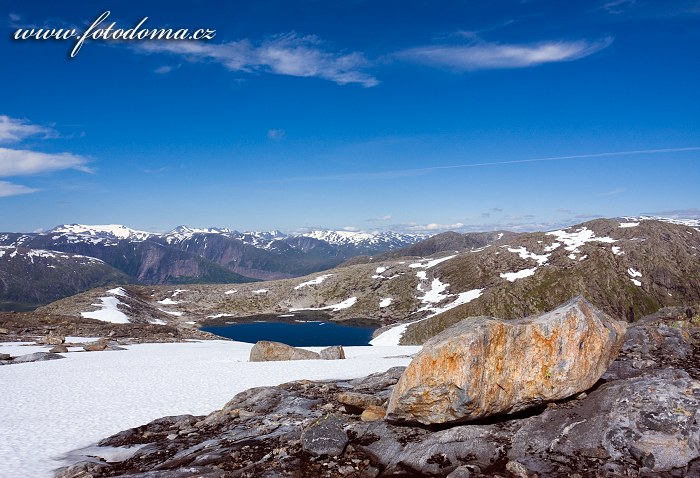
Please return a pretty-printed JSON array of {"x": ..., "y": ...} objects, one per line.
[
  {"x": 651, "y": 421},
  {"x": 265, "y": 351},
  {"x": 486, "y": 366}
]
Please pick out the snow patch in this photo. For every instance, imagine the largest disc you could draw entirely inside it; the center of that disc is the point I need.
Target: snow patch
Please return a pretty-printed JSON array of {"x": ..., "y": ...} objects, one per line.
[
  {"x": 617, "y": 250},
  {"x": 168, "y": 301},
  {"x": 574, "y": 240},
  {"x": 513, "y": 276},
  {"x": 634, "y": 273},
  {"x": 260, "y": 291},
  {"x": 385, "y": 302},
  {"x": 636, "y": 282},
  {"x": 525, "y": 254},
  {"x": 430, "y": 263},
  {"x": 346, "y": 304},
  {"x": 229, "y": 292},
  {"x": 108, "y": 312},
  {"x": 316, "y": 281},
  {"x": 173, "y": 379},
  {"x": 118, "y": 291},
  {"x": 628, "y": 224}
]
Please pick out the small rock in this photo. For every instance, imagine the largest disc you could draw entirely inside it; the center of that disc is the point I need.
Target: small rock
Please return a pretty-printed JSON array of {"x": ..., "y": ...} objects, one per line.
[
  {"x": 35, "y": 357},
  {"x": 335, "y": 352},
  {"x": 96, "y": 347},
  {"x": 265, "y": 351},
  {"x": 245, "y": 414},
  {"x": 59, "y": 349},
  {"x": 4, "y": 331},
  {"x": 581, "y": 396},
  {"x": 358, "y": 400},
  {"x": 5, "y": 356},
  {"x": 373, "y": 413},
  {"x": 460, "y": 472},
  {"x": 517, "y": 469},
  {"x": 325, "y": 437},
  {"x": 51, "y": 340}
]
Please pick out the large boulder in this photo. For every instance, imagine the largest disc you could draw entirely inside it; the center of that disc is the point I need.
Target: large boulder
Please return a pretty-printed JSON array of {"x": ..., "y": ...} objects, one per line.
[
  {"x": 485, "y": 366},
  {"x": 265, "y": 351}
]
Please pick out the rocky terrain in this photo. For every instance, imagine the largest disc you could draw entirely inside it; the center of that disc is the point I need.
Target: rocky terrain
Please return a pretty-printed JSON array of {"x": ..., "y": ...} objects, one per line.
[
  {"x": 639, "y": 420},
  {"x": 626, "y": 268},
  {"x": 33, "y": 266},
  {"x": 33, "y": 327}
]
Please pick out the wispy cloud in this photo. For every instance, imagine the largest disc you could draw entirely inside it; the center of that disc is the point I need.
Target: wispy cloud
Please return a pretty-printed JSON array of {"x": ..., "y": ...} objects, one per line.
[
  {"x": 611, "y": 193},
  {"x": 397, "y": 173},
  {"x": 286, "y": 54},
  {"x": 618, "y": 6},
  {"x": 14, "y": 130},
  {"x": 10, "y": 189},
  {"x": 379, "y": 219},
  {"x": 486, "y": 55},
  {"x": 165, "y": 69},
  {"x": 429, "y": 228},
  {"x": 690, "y": 213},
  {"x": 22, "y": 162},
  {"x": 276, "y": 134}
]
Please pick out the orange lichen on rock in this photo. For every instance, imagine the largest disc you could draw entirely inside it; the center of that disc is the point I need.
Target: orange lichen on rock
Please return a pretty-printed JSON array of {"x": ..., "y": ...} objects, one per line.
[{"x": 485, "y": 366}]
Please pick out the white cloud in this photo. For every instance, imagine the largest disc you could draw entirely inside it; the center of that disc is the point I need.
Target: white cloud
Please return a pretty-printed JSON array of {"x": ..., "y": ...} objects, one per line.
[
  {"x": 20, "y": 162},
  {"x": 163, "y": 70},
  {"x": 276, "y": 134},
  {"x": 485, "y": 55},
  {"x": 350, "y": 229},
  {"x": 428, "y": 228},
  {"x": 9, "y": 189},
  {"x": 13, "y": 130},
  {"x": 288, "y": 54}
]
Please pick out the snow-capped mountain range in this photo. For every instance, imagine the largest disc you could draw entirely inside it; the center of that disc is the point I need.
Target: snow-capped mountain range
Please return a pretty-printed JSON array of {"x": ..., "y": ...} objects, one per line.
[
  {"x": 262, "y": 239},
  {"x": 183, "y": 255}
]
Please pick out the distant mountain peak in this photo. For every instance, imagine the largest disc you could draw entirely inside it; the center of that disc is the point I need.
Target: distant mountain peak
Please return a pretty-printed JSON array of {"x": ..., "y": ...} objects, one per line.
[{"x": 107, "y": 231}]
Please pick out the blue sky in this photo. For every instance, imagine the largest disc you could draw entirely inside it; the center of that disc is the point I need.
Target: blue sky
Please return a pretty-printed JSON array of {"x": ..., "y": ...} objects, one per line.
[{"x": 411, "y": 116}]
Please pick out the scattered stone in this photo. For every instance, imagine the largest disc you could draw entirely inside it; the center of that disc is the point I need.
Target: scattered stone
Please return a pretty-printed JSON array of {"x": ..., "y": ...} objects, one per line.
[
  {"x": 335, "y": 352},
  {"x": 325, "y": 437},
  {"x": 265, "y": 351},
  {"x": 373, "y": 413},
  {"x": 517, "y": 470},
  {"x": 4, "y": 331},
  {"x": 5, "y": 356},
  {"x": 460, "y": 472},
  {"x": 475, "y": 368},
  {"x": 35, "y": 357},
  {"x": 51, "y": 340},
  {"x": 358, "y": 401},
  {"x": 95, "y": 347},
  {"x": 59, "y": 349}
]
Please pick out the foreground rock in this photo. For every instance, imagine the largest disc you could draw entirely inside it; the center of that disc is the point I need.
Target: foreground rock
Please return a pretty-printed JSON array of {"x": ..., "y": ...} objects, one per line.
[
  {"x": 484, "y": 366},
  {"x": 265, "y": 351},
  {"x": 638, "y": 427},
  {"x": 652, "y": 422}
]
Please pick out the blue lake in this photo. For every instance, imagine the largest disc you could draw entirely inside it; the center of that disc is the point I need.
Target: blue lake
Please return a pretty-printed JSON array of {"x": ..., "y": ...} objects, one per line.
[{"x": 310, "y": 334}]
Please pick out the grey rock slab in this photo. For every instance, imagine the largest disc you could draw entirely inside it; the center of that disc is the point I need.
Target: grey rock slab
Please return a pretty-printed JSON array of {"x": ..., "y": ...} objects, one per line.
[{"x": 325, "y": 437}]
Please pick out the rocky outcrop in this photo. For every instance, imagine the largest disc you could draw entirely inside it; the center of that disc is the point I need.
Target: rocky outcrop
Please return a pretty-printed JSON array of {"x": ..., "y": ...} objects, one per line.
[
  {"x": 652, "y": 421},
  {"x": 485, "y": 366},
  {"x": 265, "y": 351}
]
